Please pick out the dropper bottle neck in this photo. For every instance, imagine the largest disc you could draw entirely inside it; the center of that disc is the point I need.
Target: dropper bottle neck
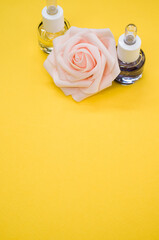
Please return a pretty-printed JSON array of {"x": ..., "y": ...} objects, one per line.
[
  {"x": 130, "y": 34},
  {"x": 53, "y": 17},
  {"x": 51, "y": 7},
  {"x": 129, "y": 44}
]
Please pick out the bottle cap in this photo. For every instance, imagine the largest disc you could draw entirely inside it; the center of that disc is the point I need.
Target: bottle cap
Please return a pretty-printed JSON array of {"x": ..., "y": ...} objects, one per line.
[
  {"x": 129, "y": 44},
  {"x": 53, "y": 17}
]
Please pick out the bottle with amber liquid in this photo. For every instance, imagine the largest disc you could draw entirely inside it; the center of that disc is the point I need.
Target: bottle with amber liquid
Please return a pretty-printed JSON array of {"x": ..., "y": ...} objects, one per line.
[{"x": 52, "y": 25}]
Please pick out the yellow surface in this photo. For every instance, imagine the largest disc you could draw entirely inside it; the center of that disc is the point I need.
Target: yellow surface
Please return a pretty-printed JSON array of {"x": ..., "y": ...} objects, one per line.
[{"x": 77, "y": 171}]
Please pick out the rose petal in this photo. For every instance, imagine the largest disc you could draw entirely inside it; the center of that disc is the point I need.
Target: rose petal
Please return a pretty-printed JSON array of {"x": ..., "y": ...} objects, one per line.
[
  {"x": 95, "y": 41},
  {"x": 94, "y": 87},
  {"x": 72, "y": 74},
  {"x": 51, "y": 67},
  {"x": 86, "y": 63}
]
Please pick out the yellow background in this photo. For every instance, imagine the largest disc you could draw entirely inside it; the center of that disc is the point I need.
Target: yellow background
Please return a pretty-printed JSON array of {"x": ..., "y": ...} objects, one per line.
[{"x": 77, "y": 171}]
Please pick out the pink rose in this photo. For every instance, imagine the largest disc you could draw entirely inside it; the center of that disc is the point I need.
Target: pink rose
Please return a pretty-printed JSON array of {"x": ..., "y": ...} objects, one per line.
[{"x": 83, "y": 61}]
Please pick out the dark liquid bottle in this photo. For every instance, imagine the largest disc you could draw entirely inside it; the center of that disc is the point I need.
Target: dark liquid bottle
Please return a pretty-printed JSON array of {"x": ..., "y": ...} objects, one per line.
[{"x": 130, "y": 57}]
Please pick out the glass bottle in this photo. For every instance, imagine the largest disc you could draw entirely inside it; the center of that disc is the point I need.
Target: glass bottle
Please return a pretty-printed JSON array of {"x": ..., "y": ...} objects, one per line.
[
  {"x": 53, "y": 25},
  {"x": 130, "y": 57}
]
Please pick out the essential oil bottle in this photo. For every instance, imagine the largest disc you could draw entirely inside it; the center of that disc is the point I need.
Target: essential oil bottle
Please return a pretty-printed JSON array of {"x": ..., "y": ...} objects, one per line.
[
  {"x": 53, "y": 25},
  {"x": 131, "y": 58}
]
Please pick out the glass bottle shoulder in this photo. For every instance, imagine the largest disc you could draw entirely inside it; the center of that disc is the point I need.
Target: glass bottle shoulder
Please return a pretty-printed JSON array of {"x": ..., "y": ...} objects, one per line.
[
  {"x": 134, "y": 65},
  {"x": 50, "y": 36}
]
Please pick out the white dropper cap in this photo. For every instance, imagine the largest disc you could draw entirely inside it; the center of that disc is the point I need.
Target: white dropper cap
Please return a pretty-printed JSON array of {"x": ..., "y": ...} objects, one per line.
[
  {"x": 53, "y": 17},
  {"x": 129, "y": 44}
]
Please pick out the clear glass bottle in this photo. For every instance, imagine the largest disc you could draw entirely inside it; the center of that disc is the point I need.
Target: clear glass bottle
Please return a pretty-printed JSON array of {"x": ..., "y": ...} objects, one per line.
[
  {"x": 46, "y": 38},
  {"x": 53, "y": 25},
  {"x": 130, "y": 57}
]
